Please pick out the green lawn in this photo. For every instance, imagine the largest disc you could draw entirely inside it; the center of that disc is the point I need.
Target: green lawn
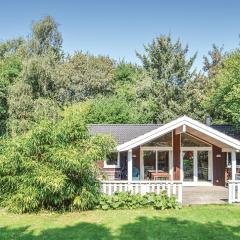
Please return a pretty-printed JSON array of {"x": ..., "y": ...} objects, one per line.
[{"x": 199, "y": 222}]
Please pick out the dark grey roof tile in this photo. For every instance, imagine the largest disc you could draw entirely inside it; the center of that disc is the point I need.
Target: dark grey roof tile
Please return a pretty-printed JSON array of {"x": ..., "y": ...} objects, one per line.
[
  {"x": 229, "y": 130},
  {"x": 126, "y": 132},
  {"x": 122, "y": 132}
]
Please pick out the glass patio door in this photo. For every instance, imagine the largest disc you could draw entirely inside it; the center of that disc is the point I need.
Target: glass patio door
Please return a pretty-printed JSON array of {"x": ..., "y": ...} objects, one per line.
[
  {"x": 202, "y": 159},
  {"x": 188, "y": 165},
  {"x": 195, "y": 165}
]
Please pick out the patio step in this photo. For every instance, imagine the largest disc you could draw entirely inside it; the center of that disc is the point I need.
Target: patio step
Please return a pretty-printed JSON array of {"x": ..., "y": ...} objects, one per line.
[{"x": 205, "y": 195}]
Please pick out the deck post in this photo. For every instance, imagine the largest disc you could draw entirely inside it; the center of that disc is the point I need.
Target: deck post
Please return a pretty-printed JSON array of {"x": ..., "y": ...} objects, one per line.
[
  {"x": 180, "y": 189},
  {"x": 130, "y": 162},
  {"x": 234, "y": 165},
  {"x": 232, "y": 187},
  {"x": 230, "y": 200}
]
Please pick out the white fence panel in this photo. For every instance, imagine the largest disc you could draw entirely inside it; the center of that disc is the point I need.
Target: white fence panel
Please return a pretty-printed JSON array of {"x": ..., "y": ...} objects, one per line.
[
  {"x": 234, "y": 191},
  {"x": 143, "y": 187}
]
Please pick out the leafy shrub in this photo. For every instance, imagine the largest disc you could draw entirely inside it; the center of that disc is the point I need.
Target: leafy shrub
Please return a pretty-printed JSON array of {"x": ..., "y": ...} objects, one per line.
[
  {"x": 126, "y": 200},
  {"x": 52, "y": 166}
]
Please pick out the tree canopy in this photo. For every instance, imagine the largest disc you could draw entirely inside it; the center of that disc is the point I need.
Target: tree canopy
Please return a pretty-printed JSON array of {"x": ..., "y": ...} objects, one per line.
[
  {"x": 38, "y": 79},
  {"x": 223, "y": 101}
]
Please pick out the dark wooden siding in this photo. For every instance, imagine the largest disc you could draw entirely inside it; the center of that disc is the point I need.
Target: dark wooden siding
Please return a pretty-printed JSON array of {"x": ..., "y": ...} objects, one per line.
[
  {"x": 115, "y": 173},
  {"x": 136, "y": 157},
  {"x": 218, "y": 166},
  {"x": 176, "y": 156},
  {"x": 110, "y": 173}
]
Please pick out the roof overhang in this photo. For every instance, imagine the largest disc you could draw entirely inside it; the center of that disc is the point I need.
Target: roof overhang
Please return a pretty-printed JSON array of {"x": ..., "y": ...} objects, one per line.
[{"x": 213, "y": 135}]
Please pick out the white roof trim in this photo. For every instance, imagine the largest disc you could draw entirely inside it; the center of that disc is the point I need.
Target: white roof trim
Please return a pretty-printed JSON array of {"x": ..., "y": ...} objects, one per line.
[{"x": 232, "y": 142}]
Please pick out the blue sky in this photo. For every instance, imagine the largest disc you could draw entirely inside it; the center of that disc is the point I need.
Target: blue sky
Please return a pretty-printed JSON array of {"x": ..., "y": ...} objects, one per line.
[{"x": 119, "y": 28}]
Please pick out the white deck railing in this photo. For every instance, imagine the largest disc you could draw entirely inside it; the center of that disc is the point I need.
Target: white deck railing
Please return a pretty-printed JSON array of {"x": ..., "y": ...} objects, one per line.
[
  {"x": 143, "y": 187},
  {"x": 234, "y": 191}
]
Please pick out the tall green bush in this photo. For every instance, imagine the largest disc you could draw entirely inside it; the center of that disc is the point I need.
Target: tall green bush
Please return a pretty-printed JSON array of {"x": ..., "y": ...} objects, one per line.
[{"x": 53, "y": 165}]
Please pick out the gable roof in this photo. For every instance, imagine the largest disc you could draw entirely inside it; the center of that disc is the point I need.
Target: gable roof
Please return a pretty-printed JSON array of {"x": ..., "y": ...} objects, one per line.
[
  {"x": 128, "y": 134},
  {"x": 182, "y": 121}
]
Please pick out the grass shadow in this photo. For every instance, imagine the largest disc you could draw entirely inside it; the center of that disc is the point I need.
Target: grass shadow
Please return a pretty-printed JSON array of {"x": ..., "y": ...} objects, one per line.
[
  {"x": 147, "y": 228},
  {"x": 171, "y": 228},
  {"x": 81, "y": 231}
]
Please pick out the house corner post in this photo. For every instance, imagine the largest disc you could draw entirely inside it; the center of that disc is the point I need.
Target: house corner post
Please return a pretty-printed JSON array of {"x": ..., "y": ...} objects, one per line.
[
  {"x": 130, "y": 163},
  {"x": 234, "y": 165}
]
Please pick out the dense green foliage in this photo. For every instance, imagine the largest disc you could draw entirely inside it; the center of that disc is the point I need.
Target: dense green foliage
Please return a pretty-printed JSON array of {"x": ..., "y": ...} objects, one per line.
[
  {"x": 83, "y": 76},
  {"x": 45, "y": 37},
  {"x": 35, "y": 72},
  {"x": 167, "y": 61},
  {"x": 126, "y": 200},
  {"x": 111, "y": 110},
  {"x": 53, "y": 165},
  {"x": 224, "y": 101}
]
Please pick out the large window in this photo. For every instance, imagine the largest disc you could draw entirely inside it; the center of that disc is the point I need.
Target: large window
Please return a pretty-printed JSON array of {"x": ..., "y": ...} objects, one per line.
[
  {"x": 112, "y": 160},
  {"x": 163, "y": 160},
  {"x": 163, "y": 141},
  {"x": 155, "y": 161},
  {"x": 190, "y": 141},
  {"x": 229, "y": 159},
  {"x": 149, "y": 161}
]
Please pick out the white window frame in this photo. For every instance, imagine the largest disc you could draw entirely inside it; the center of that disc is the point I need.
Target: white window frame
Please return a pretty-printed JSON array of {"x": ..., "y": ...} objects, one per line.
[
  {"x": 156, "y": 149},
  {"x": 114, "y": 165},
  {"x": 227, "y": 159}
]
